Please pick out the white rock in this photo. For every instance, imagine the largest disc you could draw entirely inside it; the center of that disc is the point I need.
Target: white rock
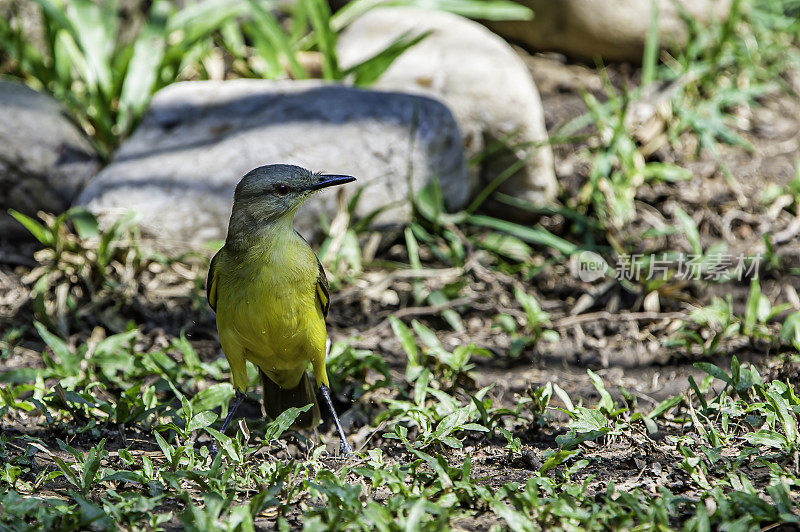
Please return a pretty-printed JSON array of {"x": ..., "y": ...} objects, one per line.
[
  {"x": 614, "y": 30},
  {"x": 480, "y": 78},
  {"x": 179, "y": 168},
  {"x": 44, "y": 158}
]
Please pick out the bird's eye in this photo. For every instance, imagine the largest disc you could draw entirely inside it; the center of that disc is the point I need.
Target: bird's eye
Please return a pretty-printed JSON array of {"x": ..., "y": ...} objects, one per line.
[{"x": 281, "y": 189}]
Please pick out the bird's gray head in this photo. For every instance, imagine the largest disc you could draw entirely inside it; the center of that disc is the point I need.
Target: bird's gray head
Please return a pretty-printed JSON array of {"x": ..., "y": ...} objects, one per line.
[{"x": 270, "y": 192}]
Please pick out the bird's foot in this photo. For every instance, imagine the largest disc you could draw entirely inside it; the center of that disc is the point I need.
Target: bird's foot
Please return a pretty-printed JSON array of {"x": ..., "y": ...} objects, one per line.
[
  {"x": 212, "y": 450},
  {"x": 345, "y": 451}
]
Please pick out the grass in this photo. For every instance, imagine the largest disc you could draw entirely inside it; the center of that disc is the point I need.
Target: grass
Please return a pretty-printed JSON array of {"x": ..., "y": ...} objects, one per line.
[
  {"x": 714, "y": 437},
  {"x": 113, "y": 386}
]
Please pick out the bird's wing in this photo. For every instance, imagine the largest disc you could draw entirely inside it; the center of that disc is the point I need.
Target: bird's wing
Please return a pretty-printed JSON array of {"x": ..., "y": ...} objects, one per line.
[
  {"x": 211, "y": 283},
  {"x": 323, "y": 296}
]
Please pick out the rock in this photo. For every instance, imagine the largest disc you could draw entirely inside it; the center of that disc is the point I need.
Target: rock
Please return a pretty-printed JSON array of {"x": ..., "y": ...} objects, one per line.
[
  {"x": 614, "y": 30},
  {"x": 179, "y": 168},
  {"x": 44, "y": 158},
  {"x": 480, "y": 78}
]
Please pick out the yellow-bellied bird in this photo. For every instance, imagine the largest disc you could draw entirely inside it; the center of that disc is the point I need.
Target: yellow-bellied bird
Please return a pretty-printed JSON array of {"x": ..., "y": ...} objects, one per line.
[{"x": 271, "y": 294}]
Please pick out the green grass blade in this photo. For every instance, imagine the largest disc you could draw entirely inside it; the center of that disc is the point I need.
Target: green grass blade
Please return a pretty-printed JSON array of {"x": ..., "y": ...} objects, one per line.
[
  {"x": 352, "y": 10},
  {"x": 651, "y": 45},
  {"x": 412, "y": 246},
  {"x": 690, "y": 230},
  {"x": 751, "y": 310},
  {"x": 141, "y": 76},
  {"x": 39, "y": 231},
  {"x": 550, "y": 210},
  {"x": 91, "y": 466},
  {"x": 53, "y": 12},
  {"x": 533, "y": 235},
  {"x": 325, "y": 36},
  {"x": 368, "y": 71},
  {"x": 477, "y": 9},
  {"x": 501, "y": 178},
  {"x": 203, "y": 18},
  {"x": 96, "y": 33},
  {"x": 270, "y": 67},
  {"x": 271, "y": 41},
  {"x": 233, "y": 38},
  {"x": 67, "y": 472},
  {"x": 407, "y": 340}
]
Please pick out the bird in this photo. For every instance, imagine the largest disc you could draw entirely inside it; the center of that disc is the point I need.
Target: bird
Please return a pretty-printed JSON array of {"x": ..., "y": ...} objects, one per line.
[{"x": 270, "y": 295}]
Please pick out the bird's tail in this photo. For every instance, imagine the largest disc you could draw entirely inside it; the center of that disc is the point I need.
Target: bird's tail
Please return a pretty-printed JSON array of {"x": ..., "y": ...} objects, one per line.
[{"x": 277, "y": 401}]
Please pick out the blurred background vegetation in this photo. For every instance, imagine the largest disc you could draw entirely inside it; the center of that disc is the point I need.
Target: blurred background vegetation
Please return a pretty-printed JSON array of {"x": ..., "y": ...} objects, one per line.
[{"x": 106, "y": 59}]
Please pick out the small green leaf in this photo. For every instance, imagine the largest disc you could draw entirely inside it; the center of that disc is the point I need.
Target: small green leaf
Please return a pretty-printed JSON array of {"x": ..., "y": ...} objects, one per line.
[
  {"x": 606, "y": 403},
  {"x": 274, "y": 430},
  {"x": 227, "y": 444},
  {"x": 212, "y": 397},
  {"x": 714, "y": 371},
  {"x": 666, "y": 172},
  {"x": 556, "y": 459},
  {"x": 66, "y": 357},
  {"x": 664, "y": 406},
  {"x": 86, "y": 225},
  {"x": 201, "y": 420},
  {"x": 768, "y": 438},
  {"x": 427, "y": 336},
  {"x": 588, "y": 420},
  {"x": 790, "y": 331}
]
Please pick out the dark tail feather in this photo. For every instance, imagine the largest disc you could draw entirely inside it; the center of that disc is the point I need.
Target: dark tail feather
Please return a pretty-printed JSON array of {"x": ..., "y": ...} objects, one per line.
[{"x": 277, "y": 401}]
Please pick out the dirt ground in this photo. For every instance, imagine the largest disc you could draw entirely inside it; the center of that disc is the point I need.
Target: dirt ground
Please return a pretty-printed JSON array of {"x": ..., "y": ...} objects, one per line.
[{"x": 612, "y": 334}]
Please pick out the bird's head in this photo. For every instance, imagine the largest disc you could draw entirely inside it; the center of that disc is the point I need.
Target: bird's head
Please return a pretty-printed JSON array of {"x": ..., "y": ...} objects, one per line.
[{"x": 272, "y": 192}]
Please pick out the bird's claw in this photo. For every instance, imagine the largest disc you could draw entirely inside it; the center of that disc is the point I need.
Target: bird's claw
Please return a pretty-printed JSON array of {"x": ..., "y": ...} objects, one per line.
[{"x": 345, "y": 450}]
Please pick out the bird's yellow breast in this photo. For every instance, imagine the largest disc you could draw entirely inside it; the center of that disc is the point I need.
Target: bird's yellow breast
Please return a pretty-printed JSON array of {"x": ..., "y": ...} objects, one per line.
[{"x": 267, "y": 304}]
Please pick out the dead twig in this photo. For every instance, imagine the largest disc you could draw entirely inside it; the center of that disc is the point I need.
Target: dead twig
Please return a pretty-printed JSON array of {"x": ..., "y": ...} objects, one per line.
[
  {"x": 570, "y": 321},
  {"x": 790, "y": 232}
]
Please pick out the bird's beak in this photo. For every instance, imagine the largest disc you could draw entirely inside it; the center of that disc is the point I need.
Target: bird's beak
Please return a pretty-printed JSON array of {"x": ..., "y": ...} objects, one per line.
[{"x": 326, "y": 181}]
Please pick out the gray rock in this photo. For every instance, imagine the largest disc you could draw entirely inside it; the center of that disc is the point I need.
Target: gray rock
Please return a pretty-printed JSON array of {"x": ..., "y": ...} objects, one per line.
[
  {"x": 615, "y": 30},
  {"x": 179, "y": 168},
  {"x": 44, "y": 158},
  {"x": 480, "y": 78}
]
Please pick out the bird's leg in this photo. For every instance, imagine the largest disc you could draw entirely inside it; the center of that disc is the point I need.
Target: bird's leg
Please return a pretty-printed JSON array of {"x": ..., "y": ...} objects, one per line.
[
  {"x": 345, "y": 448},
  {"x": 237, "y": 400}
]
